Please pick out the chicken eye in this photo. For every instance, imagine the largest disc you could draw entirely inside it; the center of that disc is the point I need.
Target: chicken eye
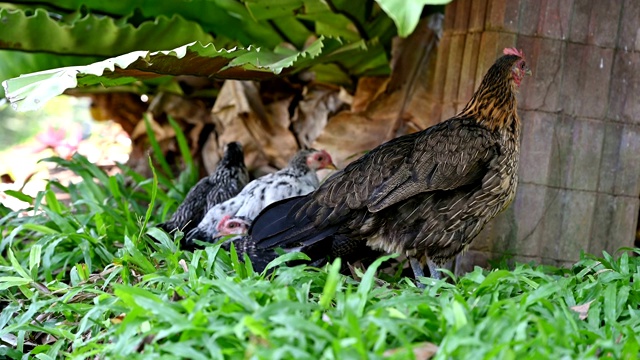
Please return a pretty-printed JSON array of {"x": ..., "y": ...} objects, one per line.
[
  {"x": 320, "y": 158},
  {"x": 232, "y": 225},
  {"x": 522, "y": 65}
]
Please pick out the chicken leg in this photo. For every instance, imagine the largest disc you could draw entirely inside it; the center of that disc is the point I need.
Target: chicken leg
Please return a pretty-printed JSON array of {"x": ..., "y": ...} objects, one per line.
[
  {"x": 433, "y": 270},
  {"x": 418, "y": 271}
]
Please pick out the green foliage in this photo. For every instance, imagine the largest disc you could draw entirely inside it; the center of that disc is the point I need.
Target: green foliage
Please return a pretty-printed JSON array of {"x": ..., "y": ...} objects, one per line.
[
  {"x": 31, "y": 91},
  {"x": 406, "y": 13},
  {"x": 94, "y": 35},
  {"x": 101, "y": 280},
  {"x": 228, "y": 18},
  {"x": 226, "y": 39}
]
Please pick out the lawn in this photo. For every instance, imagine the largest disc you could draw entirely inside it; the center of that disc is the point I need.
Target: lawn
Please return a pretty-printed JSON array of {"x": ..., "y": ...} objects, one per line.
[{"x": 94, "y": 277}]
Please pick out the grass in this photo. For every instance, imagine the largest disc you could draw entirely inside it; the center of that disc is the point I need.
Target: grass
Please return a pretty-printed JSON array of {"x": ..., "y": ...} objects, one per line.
[{"x": 88, "y": 279}]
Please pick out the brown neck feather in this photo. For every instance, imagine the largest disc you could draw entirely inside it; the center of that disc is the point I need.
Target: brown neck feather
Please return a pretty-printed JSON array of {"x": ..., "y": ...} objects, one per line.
[{"x": 494, "y": 103}]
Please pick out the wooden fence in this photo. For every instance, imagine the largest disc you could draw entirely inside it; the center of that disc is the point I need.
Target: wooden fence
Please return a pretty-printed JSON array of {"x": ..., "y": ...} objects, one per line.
[{"x": 580, "y": 149}]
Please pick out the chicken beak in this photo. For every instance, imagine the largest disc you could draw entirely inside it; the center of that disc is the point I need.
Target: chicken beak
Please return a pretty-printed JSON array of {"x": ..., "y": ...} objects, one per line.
[
  {"x": 528, "y": 72},
  {"x": 331, "y": 166}
]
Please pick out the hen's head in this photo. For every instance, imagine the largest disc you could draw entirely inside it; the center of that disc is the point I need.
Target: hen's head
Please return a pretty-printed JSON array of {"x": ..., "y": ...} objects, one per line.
[
  {"x": 319, "y": 159},
  {"x": 514, "y": 58},
  {"x": 229, "y": 225},
  {"x": 233, "y": 153}
]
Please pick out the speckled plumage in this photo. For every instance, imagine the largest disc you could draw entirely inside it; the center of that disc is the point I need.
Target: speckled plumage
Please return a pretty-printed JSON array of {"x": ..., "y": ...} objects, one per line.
[
  {"x": 229, "y": 178},
  {"x": 429, "y": 192},
  {"x": 260, "y": 258},
  {"x": 232, "y": 230},
  {"x": 298, "y": 178}
]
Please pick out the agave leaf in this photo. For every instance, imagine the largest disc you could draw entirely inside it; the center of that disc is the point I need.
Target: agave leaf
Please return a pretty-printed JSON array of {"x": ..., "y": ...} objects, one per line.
[
  {"x": 406, "y": 13},
  {"x": 94, "y": 35},
  {"x": 31, "y": 91}
]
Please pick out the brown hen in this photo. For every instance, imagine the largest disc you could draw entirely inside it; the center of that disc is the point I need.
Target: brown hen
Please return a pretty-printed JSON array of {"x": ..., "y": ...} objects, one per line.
[{"x": 428, "y": 193}]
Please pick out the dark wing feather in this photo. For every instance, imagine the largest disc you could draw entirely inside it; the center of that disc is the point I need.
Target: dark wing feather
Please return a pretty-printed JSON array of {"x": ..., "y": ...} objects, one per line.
[
  {"x": 351, "y": 188},
  {"x": 446, "y": 156}
]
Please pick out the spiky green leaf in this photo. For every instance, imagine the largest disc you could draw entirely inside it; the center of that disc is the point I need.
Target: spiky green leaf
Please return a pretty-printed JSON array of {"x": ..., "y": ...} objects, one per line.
[{"x": 31, "y": 91}]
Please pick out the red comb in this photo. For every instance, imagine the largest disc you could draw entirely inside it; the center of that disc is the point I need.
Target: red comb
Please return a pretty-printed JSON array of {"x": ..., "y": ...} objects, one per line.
[{"x": 513, "y": 51}]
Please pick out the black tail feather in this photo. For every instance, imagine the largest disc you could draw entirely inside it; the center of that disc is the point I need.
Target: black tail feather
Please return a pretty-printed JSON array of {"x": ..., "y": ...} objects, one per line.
[
  {"x": 311, "y": 236},
  {"x": 274, "y": 219},
  {"x": 278, "y": 225}
]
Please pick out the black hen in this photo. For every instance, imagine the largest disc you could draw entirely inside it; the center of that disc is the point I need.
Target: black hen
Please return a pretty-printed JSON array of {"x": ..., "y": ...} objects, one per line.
[
  {"x": 428, "y": 193},
  {"x": 229, "y": 178}
]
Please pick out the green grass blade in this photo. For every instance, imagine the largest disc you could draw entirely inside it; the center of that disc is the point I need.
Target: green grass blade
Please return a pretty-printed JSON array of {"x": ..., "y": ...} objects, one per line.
[
  {"x": 152, "y": 200},
  {"x": 157, "y": 151},
  {"x": 331, "y": 285},
  {"x": 17, "y": 267},
  {"x": 35, "y": 257},
  {"x": 185, "y": 151},
  {"x": 7, "y": 282},
  {"x": 19, "y": 195}
]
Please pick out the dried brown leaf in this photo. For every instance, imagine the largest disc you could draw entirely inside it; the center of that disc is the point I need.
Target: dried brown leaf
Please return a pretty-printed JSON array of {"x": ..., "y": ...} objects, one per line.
[
  {"x": 12, "y": 340},
  {"x": 348, "y": 136},
  {"x": 582, "y": 309},
  {"x": 313, "y": 111},
  {"x": 184, "y": 110},
  {"x": 44, "y": 338},
  {"x": 82, "y": 296},
  {"x": 353, "y": 271},
  {"x": 421, "y": 351},
  {"x": 9, "y": 339},
  {"x": 176, "y": 297},
  {"x": 413, "y": 63},
  {"x": 369, "y": 88},
  {"x": 7, "y": 179},
  {"x": 240, "y": 115},
  {"x": 118, "y": 319},
  {"x": 122, "y": 107},
  {"x": 382, "y": 108},
  {"x": 41, "y": 287},
  {"x": 192, "y": 111},
  {"x": 211, "y": 153}
]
